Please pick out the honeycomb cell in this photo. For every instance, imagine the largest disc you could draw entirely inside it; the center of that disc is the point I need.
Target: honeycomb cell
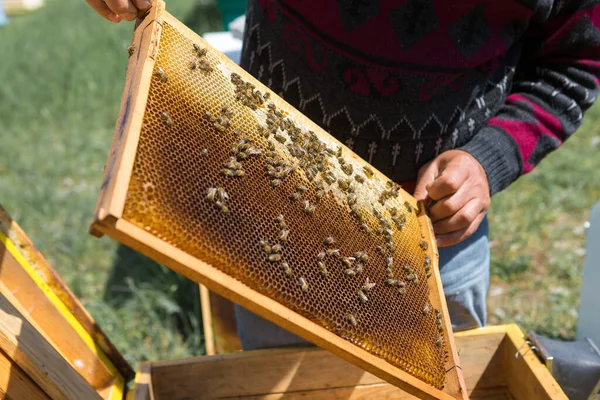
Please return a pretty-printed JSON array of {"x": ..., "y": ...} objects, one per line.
[{"x": 300, "y": 207}]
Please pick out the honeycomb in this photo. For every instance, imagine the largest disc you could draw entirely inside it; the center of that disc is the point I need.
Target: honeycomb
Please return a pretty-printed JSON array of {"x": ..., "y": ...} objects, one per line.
[{"x": 232, "y": 176}]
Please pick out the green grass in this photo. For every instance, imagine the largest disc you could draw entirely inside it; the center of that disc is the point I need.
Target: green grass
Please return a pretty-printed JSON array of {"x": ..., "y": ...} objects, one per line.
[{"x": 61, "y": 78}]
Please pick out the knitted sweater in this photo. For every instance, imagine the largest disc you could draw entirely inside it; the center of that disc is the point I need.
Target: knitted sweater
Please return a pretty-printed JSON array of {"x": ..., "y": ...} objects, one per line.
[{"x": 400, "y": 81}]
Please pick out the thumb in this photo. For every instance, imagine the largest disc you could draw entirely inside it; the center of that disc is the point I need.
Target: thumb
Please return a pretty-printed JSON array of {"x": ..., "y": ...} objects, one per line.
[{"x": 427, "y": 174}]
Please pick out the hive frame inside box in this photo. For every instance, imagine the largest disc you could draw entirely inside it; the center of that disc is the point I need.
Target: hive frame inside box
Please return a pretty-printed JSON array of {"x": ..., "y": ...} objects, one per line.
[
  {"x": 492, "y": 372},
  {"x": 109, "y": 210}
]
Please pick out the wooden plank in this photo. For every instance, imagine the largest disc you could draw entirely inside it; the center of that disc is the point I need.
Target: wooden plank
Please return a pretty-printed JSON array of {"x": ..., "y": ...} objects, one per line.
[
  {"x": 33, "y": 304},
  {"x": 527, "y": 377},
  {"x": 119, "y": 165},
  {"x": 266, "y": 307},
  {"x": 51, "y": 280},
  {"x": 36, "y": 357},
  {"x": 207, "y": 320},
  {"x": 15, "y": 384},
  {"x": 224, "y": 325}
]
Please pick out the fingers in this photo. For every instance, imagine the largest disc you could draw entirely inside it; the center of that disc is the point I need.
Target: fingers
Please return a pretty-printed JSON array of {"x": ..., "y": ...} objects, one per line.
[
  {"x": 142, "y": 5},
  {"x": 102, "y": 9},
  {"x": 124, "y": 8},
  {"x": 460, "y": 219},
  {"x": 452, "y": 238},
  {"x": 427, "y": 174},
  {"x": 448, "y": 183}
]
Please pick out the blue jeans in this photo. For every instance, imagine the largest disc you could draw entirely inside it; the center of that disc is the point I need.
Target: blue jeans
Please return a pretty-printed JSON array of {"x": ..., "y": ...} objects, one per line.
[{"x": 465, "y": 271}]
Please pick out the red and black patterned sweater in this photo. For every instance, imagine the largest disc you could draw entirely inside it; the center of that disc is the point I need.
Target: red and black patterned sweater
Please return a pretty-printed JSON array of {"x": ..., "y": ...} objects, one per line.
[{"x": 400, "y": 81}]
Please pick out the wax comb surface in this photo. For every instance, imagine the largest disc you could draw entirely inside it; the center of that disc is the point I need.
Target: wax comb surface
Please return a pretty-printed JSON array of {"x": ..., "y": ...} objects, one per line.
[{"x": 220, "y": 179}]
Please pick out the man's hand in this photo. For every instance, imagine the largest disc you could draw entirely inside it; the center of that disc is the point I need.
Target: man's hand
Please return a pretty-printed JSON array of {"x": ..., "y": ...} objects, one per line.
[
  {"x": 455, "y": 188},
  {"x": 117, "y": 10}
]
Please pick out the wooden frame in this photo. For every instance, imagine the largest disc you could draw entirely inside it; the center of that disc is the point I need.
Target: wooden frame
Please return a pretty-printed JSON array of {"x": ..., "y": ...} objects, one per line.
[
  {"x": 45, "y": 302},
  {"x": 491, "y": 372},
  {"x": 109, "y": 210}
]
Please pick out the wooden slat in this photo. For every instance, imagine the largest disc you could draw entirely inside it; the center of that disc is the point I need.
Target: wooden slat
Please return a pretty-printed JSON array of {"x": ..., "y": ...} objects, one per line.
[
  {"x": 224, "y": 325},
  {"x": 54, "y": 283},
  {"x": 207, "y": 321},
  {"x": 36, "y": 357},
  {"x": 142, "y": 389},
  {"x": 119, "y": 165},
  {"x": 38, "y": 309},
  {"x": 15, "y": 384}
]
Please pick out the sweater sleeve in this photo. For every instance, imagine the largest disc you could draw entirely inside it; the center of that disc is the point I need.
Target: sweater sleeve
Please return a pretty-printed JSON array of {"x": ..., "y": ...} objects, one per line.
[{"x": 556, "y": 81}]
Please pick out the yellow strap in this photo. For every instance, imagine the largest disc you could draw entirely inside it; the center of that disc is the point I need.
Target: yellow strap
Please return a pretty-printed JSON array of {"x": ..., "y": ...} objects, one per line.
[{"x": 117, "y": 390}]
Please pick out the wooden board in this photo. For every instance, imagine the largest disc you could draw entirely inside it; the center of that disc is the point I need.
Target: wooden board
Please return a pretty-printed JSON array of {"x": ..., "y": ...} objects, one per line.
[
  {"x": 38, "y": 358},
  {"x": 39, "y": 294},
  {"x": 490, "y": 367},
  {"x": 218, "y": 318},
  {"x": 15, "y": 384},
  {"x": 109, "y": 210}
]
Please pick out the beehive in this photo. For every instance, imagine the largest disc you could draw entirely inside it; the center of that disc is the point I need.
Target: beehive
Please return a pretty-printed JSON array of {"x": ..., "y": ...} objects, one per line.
[{"x": 218, "y": 178}]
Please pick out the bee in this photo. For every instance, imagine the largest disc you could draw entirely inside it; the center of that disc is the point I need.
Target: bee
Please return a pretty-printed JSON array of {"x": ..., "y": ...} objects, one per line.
[
  {"x": 440, "y": 329},
  {"x": 427, "y": 261},
  {"x": 220, "y": 128},
  {"x": 391, "y": 282},
  {"x": 401, "y": 290},
  {"x": 368, "y": 172},
  {"x": 347, "y": 262},
  {"x": 266, "y": 96},
  {"x": 350, "y": 273},
  {"x": 359, "y": 268},
  {"x": 344, "y": 185},
  {"x": 411, "y": 277},
  {"x": 264, "y": 243},
  {"x": 367, "y": 286},
  {"x": 211, "y": 193},
  {"x": 204, "y": 153},
  {"x": 276, "y": 248},
  {"x": 401, "y": 284},
  {"x": 160, "y": 73},
  {"x": 280, "y": 138},
  {"x": 438, "y": 312},
  {"x": 308, "y": 208},
  {"x": 193, "y": 64},
  {"x": 426, "y": 309},
  {"x": 166, "y": 119},
  {"x": 390, "y": 245},
  {"x": 319, "y": 194},
  {"x": 439, "y": 341},
  {"x": 274, "y": 257},
  {"x": 330, "y": 151},
  {"x": 351, "y": 319},
  {"x": 131, "y": 49},
  {"x": 362, "y": 297},
  {"x": 322, "y": 268},
  {"x": 365, "y": 227},
  {"x": 275, "y": 183},
  {"x": 295, "y": 196},
  {"x": 197, "y": 48},
  {"x": 359, "y": 178},
  {"x": 204, "y": 66},
  {"x": 407, "y": 268},
  {"x": 303, "y": 284},
  {"x": 364, "y": 257},
  {"x": 389, "y": 272},
  {"x": 229, "y": 172},
  {"x": 423, "y": 245},
  {"x": 321, "y": 256},
  {"x": 389, "y": 261},
  {"x": 351, "y": 199},
  {"x": 329, "y": 240},
  {"x": 428, "y": 275},
  {"x": 283, "y": 235},
  {"x": 333, "y": 252},
  {"x": 380, "y": 250},
  {"x": 286, "y": 269},
  {"x": 301, "y": 189},
  {"x": 224, "y": 209},
  {"x": 330, "y": 179},
  {"x": 281, "y": 220}
]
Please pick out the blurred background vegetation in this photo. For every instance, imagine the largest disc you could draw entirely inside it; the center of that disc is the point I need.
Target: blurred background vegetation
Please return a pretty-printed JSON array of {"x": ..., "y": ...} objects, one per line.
[{"x": 61, "y": 78}]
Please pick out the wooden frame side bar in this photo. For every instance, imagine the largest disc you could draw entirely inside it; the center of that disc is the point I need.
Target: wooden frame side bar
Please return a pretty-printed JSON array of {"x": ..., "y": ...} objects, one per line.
[{"x": 119, "y": 165}]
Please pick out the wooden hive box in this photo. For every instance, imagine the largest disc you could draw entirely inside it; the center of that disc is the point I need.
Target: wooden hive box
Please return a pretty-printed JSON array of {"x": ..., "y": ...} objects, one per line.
[
  {"x": 495, "y": 361},
  {"x": 50, "y": 347}
]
